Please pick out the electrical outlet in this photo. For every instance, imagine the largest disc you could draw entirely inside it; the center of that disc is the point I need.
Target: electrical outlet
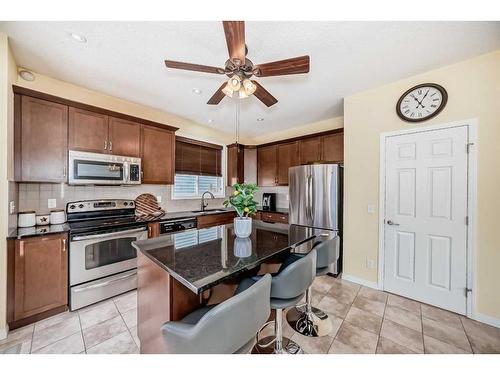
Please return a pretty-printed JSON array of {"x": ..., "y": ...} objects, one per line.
[
  {"x": 51, "y": 203},
  {"x": 370, "y": 263},
  {"x": 12, "y": 207},
  {"x": 158, "y": 198},
  {"x": 371, "y": 208}
]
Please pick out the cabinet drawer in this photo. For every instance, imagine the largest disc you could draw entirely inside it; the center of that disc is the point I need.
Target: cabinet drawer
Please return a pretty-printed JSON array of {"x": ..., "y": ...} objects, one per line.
[
  {"x": 273, "y": 217},
  {"x": 206, "y": 221}
]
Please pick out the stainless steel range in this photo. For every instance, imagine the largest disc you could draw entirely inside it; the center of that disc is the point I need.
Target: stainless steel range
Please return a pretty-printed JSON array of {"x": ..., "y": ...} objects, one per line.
[{"x": 102, "y": 260}]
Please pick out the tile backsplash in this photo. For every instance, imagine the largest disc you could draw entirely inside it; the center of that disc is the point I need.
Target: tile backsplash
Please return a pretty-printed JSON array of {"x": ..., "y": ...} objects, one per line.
[
  {"x": 281, "y": 195},
  {"x": 36, "y": 196},
  {"x": 32, "y": 196}
]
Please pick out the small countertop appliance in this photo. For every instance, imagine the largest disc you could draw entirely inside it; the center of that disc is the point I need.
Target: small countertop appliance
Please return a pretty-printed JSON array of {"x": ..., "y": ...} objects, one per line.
[{"x": 269, "y": 201}]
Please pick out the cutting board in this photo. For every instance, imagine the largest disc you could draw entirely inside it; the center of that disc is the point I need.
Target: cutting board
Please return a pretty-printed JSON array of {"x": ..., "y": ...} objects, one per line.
[{"x": 147, "y": 205}]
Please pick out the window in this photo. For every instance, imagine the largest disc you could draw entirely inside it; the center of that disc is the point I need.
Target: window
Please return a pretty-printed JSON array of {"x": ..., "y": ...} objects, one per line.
[{"x": 192, "y": 186}]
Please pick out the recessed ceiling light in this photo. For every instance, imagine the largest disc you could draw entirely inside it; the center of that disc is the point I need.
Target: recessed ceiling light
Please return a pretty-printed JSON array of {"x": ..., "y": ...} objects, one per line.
[
  {"x": 260, "y": 119},
  {"x": 26, "y": 75},
  {"x": 210, "y": 120},
  {"x": 79, "y": 38},
  {"x": 196, "y": 91}
]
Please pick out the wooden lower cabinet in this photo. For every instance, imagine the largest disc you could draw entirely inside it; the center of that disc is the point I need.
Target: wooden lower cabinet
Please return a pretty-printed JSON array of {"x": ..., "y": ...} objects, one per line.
[
  {"x": 273, "y": 217},
  {"x": 38, "y": 276},
  {"x": 211, "y": 220}
]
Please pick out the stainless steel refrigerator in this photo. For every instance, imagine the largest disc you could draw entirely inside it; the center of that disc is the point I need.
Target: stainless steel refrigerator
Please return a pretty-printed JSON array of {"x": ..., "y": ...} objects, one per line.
[{"x": 315, "y": 199}]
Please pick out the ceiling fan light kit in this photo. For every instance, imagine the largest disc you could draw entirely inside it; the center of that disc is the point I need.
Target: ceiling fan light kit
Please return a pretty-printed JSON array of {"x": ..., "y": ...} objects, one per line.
[{"x": 240, "y": 69}]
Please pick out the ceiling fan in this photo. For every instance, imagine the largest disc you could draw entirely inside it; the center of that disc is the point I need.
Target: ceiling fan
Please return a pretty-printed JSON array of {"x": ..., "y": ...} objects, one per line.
[{"x": 240, "y": 69}]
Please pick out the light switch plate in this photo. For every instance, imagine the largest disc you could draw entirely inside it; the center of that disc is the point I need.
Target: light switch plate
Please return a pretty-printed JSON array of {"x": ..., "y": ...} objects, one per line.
[
  {"x": 371, "y": 208},
  {"x": 51, "y": 203},
  {"x": 158, "y": 198},
  {"x": 12, "y": 207}
]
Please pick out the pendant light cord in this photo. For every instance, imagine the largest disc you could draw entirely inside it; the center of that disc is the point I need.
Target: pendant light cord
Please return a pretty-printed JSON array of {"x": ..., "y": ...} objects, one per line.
[{"x": 237, "y": 124}]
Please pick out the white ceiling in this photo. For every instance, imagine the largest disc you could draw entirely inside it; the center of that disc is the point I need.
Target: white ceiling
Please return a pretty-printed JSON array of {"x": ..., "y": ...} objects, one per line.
[{"x": 125, "y": 59}]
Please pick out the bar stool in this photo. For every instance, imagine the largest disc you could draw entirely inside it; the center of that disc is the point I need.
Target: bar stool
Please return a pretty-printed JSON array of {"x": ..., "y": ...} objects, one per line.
[
  {"x": 306, "y": 319},
  {"x": 288, "y": 286},
  {"x": 229, "y": 327}
]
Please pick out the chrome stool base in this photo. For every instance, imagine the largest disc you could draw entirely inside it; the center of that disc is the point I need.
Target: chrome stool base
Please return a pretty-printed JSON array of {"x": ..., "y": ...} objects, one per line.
[
  {"x": 264, "y": 346},
  {"x": 314, "y": 323}
]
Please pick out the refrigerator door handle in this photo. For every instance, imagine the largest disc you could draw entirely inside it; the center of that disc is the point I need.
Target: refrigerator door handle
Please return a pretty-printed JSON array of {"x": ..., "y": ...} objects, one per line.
[
  {"x": 312, "y": 198},
  {"x": 307, "y": 197}
]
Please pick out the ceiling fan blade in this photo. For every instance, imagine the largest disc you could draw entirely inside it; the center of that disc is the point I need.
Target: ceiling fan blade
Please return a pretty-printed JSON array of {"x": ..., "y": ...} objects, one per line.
[
  {"x": 263, "y": 95},
  {"x": 194, "y": 67},
  {"x": 218, "y": 96},
  {"x": 295, "y": 65},
  {"x": 235, "y": 38}
]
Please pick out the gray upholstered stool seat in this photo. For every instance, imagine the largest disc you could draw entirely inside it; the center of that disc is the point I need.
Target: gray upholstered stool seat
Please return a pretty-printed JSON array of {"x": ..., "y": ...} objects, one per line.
[
  {"x": 287, "y": 288},
  {"x": 306, "y": 319},
  {"x": 229, "y": 327}
]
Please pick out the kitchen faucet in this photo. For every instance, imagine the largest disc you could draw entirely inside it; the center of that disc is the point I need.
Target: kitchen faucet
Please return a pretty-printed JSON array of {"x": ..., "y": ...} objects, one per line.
[{"x": 203, "y": 204}]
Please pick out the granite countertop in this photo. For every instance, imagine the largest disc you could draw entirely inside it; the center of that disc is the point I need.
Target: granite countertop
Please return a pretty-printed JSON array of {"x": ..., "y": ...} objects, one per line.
[
  {"x": 61, "y": 228},
  {"x": 218, "y": 254},
  {"x": 18, "y": 233}
]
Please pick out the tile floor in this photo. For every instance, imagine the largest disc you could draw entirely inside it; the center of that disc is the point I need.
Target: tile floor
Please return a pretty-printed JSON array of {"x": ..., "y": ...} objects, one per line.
[{"x": 364, "y": 321}]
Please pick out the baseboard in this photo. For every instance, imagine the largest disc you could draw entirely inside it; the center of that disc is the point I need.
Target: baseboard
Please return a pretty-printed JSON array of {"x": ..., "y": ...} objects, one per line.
[
  {"x": 495, "y": 322},
  {"x": 357, "y": 280},
  {"x": 3, "y": 333}
]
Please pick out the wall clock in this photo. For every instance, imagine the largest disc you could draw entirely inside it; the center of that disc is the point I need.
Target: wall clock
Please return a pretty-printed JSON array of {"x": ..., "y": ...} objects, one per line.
[{"x": 421, "y": 102}]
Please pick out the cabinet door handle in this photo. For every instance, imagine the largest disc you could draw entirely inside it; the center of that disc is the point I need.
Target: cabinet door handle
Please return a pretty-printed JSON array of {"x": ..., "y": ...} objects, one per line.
[
  {"x": 21, "y": 249},
  {"x": 110, "y": 146},
  {"x": 64, "y": 245},
  {"x": 105, "y": 145},
  {"x": 149, "y": 232}
]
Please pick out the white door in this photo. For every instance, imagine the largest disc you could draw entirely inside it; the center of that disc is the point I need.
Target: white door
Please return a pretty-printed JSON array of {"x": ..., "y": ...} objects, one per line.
[{"x": 425, "y": 255}]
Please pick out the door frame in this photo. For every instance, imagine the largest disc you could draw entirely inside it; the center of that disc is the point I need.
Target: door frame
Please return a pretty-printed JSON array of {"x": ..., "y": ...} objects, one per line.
[{"x": 471, "y": 125}]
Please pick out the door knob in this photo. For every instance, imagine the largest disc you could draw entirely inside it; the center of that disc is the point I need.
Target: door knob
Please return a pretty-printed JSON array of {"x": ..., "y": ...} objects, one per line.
[{"x": 390, "y": 222}]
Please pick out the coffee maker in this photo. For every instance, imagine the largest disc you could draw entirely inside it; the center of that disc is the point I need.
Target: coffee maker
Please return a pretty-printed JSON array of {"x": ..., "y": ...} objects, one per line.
[{"x": 269, "y": 201}]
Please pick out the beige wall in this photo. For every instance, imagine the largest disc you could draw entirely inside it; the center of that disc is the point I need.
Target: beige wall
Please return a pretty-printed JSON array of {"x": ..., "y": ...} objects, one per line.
[
  {"x": 313, "y": 127},
  {"x": 474, "y": 92},
  {"x": 7, "y": 74}
]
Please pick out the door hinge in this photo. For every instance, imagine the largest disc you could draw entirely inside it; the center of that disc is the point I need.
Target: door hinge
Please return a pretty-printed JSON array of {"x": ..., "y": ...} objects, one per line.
[
  {"x": 467, "y": 291},
  {"x": 469, "y": 145},
  {"x": 467, "y": 220}
]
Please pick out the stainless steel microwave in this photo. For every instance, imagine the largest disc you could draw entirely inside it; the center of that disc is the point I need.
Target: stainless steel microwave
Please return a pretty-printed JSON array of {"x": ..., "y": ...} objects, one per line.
[{"x": 86, "y": 168}]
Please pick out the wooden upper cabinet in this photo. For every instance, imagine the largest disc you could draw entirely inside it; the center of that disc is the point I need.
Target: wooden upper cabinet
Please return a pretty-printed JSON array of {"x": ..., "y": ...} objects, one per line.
[
  {"x": 40, "y": 274},
  {"x": 333, "y": 147},
  {"x": 287, "y": 157},
  {"x": 88, "y": 131},
  {"x": 42, "y": 142},
  {"x": 124, "y": 137},
  {"x": 310, "y": 150},
  {"x": 235, "y": 164},
  {"x": 267, "y": 159},
  {"x": 158, "y": 155}
]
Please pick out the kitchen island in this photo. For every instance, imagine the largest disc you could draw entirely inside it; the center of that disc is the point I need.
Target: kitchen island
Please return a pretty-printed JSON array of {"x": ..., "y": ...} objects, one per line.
[{"x": 177, "y": 273}]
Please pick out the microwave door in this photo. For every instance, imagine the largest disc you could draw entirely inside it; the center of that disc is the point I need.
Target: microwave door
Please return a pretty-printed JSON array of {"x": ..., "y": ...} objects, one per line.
[{"x": 95, "y": 172}]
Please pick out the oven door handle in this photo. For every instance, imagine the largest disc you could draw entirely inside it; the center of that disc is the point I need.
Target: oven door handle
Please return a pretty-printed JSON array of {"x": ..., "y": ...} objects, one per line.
[
  {"x": 104, "y": 235},
  {"x": 105, "y": 283}
]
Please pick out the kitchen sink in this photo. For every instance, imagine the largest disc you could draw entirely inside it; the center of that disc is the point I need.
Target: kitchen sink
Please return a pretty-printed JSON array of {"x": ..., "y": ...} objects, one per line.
[{"x": 213, "y": 210}]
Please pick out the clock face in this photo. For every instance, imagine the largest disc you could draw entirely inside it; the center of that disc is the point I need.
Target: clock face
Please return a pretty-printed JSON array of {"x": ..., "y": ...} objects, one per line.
[{"x": 421, "y": 102}]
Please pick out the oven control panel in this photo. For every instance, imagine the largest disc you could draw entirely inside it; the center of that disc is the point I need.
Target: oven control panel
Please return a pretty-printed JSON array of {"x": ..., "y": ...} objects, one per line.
[{"x": 99, "y": 205}]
